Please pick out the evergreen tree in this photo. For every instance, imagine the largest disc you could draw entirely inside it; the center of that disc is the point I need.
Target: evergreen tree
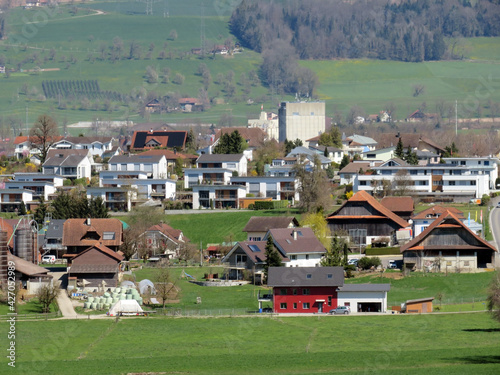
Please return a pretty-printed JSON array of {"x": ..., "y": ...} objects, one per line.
[
  {"x": 411, "y": 157},
  {"x": 179, "y": 164},
  {"x": 22, "y": 209},
  {"x": 344, "y": 162},
  {"x": 40, "y": 212},
  {"x": 273, "y": 258},
  {"x": 399, "y": 153},
  {"x": 230, "y": 143},
  {"x": 336, "y": 255},
  {"x": 97, "y": 209}
]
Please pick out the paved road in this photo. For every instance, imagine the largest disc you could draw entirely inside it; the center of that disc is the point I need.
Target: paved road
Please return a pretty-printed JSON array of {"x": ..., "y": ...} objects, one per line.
[{"x": 495, "y": 222}]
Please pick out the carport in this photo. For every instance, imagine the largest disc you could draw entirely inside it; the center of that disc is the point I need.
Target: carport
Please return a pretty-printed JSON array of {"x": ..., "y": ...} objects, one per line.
[{"x": 364, "y": 297}]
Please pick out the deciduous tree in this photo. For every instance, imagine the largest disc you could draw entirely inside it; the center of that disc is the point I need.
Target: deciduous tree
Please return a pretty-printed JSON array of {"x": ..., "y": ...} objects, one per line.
[{"x": 43, "y": 135}]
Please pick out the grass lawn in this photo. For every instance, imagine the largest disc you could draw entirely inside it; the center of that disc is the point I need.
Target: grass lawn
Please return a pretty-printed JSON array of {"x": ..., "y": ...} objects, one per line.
[
  {"x": 30, "y": 307},
  {"x": 392, "y": 344}
]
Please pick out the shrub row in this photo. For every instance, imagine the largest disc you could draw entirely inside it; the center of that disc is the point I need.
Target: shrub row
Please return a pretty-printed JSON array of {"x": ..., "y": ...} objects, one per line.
[
  {"x": 269, "y": 205},
  {"x": 382, "y": 251}
]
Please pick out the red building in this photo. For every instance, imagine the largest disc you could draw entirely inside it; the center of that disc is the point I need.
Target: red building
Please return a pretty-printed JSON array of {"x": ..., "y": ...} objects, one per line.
[{"x": 305, "y": 289}]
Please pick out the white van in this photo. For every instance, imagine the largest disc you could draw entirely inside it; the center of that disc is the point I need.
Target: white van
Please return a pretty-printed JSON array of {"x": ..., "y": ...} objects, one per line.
[{"x": 49, "y": 259}]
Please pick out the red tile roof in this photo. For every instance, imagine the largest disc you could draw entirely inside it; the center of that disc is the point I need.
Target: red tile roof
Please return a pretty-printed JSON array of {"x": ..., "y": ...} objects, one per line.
[
  {"x": 446, "y": 220},
  {"x": 75, "y": 230},
  {"x": 167, "y": 230},
  {"x": 296, "y": 240},
  {"x": 437, "y": 211},
  {"x": 398, "y": 204},
  {"x": 103, "y": 249},
  {"x": 254, "y": 136},
  {"x": 363, "y": 196}
]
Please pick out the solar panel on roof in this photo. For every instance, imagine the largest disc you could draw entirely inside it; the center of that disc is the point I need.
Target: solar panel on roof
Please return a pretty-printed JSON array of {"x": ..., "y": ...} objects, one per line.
[{"x": 254, "y": 248}]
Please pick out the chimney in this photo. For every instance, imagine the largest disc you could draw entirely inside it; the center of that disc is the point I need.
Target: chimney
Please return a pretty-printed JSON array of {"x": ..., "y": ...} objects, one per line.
[
  {"x": 88, "y": 221},
  {"x": 151, "y": 130},
  {"x": 294, "y": 233}
]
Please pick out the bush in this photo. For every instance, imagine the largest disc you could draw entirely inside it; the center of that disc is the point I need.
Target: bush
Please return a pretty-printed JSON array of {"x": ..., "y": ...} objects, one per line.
[
  {"x": 367, "y": 263},
  {"x": 270, "y": 205},
  {"x": 485, "y": 200},
  {"x": 383, "y": 251}
]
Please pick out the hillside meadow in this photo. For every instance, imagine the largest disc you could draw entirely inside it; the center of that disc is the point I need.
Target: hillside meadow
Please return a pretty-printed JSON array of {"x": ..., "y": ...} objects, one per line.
[
  {"x": 391, "y": 344},
  {"x": 78, "y": 35}
]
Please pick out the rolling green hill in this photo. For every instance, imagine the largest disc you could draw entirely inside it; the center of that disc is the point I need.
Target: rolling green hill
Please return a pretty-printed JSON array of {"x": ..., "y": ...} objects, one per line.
[{"x": 79, "y": 37}]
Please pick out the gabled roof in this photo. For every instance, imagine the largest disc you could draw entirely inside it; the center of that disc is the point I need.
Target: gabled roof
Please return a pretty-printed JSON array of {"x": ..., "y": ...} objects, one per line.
[
  {"x": 253, "y": 136},
  {"x": 295, "y": 240},
  {"x": 411, "y": 140},
  {"x": 221, "y": 158},
  {"x": 255, "y": 251},
  {"x": 75, "y": 230},
  {"x": 173, "y": 138},
  {"x": 167, "y": 230},
  {"x": 103, "y": 249},
  {"x": 446, "y": 220},
  {"x": 24, "y": 138},
  {"x": 361, "y": 140},
  {"x": 363, "y": 196},
  {"x": 55, "y": 228},
  {"x": 436, "y": 211},
  {"x": 398, "y": 204},
  {"x": 355, "y": 167},
  {"x": 264, "y": 223},
  {"x": 84, "y": 140},
  {"x": 27, "y": 268},
  {"x": 393, "y": 162},
  {"x": 310, "y": 154},
  {"x": 65, "y": 158},
  {"x": 169, "y": 154},
  {"x": 305, "y": 276},
  {"x": 328, "y": 148}
]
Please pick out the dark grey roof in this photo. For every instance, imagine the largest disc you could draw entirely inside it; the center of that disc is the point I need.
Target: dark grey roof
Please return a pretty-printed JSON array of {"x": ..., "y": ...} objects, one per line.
[
  {"x": 329, "y": 148},
  {"x": 93, "y": 268},
  {"x": 264, "y": 223},
  {"x": 55, "y": 229},
  {"x": 365, "y": 288},
  {"x": 211, "y": 158},
  {"x": 135, "y": 159},
  {"x": 305, "y": 276},
  {"x": 70, "y": 158}
]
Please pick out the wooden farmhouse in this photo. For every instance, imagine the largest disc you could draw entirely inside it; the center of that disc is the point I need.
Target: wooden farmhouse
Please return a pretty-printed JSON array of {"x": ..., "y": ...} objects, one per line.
[
  {"x": 448, "y": 245},
  {"x": 366, "y": 220}
]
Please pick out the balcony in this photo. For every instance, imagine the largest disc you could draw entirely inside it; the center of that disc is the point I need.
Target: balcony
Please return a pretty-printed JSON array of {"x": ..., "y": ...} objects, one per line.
[{"x": 265, "y": 297}]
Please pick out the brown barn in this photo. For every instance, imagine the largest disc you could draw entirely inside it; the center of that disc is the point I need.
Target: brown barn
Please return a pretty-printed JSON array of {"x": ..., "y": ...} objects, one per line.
[
  {"x": 448, "y": 245},
  {"x": 419, "y": 306},
  {"x": 363, "y": 212},
  {"x": 96, "y": 265}
]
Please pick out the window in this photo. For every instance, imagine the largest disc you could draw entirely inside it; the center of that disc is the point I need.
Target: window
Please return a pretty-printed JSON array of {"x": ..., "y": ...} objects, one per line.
[
  {"x": 486, "y": 162},
  {"x": 329, "y": 300},
  {"x": 309, "y": 276},
  {"x": 306, "y": 292},
  {"x": 473, "y": 183},
  {"x": 348, "y": 304},
  {"x": 293, "y": 257},
  {"x": 294, "y": 292},
  {"x": 451, "y": 183},
  {"x": 295, "y": 305},
  {"x": 329, "y": 276},
  {"x": 307, "y": 256},
  {"x": 462, "y": 162},
  {"x": 362, "y": 183},
  {"x": 108, "y": 236},
  {"x": 241, "y": 258},
  {"x": 283, "y": 292},
  {"x": 305, "y": 305},
  {"x": 466, "y": 263},
  {"x": 283, "y": 305}
]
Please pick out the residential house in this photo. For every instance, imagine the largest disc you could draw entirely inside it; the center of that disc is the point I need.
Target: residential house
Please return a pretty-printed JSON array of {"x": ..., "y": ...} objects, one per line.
[
  {"x": 53, "y": 238},
  {"x": 163, "y": 240},
  {"x": 428, "y": 151},
  {"x": 281, "y": 167},
  {"x": 217, "y": 196},
  {"x": 97, "y": 146},
  {"x": 357, "y": 144},
  {"x": 277, "y": 187},
  {"x": 460, "y": 178},
  {"x": 448, "y": 245},
  {"x": 401, "y": 206},
  {"x": 96, "y": 267},
  {"x": 321, "y": 289},
  {"x": 154, "y": 165},
  {"x": 421, "y": 116},
  {"x": 12, "y": 199},
  {"x": 80, "y": 234},
  {"x": 380, "y": 155},
  {"x": 268, "y": 122},
  {"x": 190, "y": 104},
  {"x": 23, "y": 146},
  {"x": 309, "y": 155},
  {"x": 71, "y": 164},
  {"x": 351, "y": 172},
  {"x": 333, "y": 153},
  {"x": 297, "y": 247},
  {"x": 215, "y": 169},
  {"x": 258, "y": 226},
  {"x": 144, "y": 140},
  {"x": 365, "y": 220},
  {"x": 425, "y": 218},
  {"x": 172, "y": 157}
]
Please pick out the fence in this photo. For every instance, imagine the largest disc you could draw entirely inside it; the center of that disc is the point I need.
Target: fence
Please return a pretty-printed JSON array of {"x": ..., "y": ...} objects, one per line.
[
  {"x": 204, "y": 312},
  {"x": 32, "y": 316}
]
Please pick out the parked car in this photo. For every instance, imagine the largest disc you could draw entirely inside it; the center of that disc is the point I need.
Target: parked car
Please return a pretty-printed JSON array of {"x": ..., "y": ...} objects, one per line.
[
  {"x": 340, "y": 310},
  {"x": 392, "y": 264},
  {"x": 353, "y": 261},
  {"x": 49, "y": 259}
]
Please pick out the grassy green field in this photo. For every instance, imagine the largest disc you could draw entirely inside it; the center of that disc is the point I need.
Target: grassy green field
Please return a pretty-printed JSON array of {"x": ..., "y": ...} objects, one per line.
[
  {"x": 392, "y": 344},
  {"x": 370, "y": 84}
]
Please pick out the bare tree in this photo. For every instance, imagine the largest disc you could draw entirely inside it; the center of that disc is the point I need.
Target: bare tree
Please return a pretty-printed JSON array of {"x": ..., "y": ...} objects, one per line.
[
  {"x": 46, "y": 295},
  {"x": 418, "y": 89},
  {"x": 165, "y": 287},
  {"x": 403, "y": 185},
  {"x": 494, "y": 297},
  {"x": 44, "y": 134}
]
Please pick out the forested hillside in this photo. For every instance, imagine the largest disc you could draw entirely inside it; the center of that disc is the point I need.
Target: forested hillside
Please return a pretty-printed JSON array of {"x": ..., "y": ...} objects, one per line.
[{"x": 324, "y": 29}]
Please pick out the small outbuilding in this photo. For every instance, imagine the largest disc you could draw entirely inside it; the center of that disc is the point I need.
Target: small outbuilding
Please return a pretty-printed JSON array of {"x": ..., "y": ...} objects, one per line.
[
  {"x": 419, "y": 306},
  {"x": 364, "y": 297}
]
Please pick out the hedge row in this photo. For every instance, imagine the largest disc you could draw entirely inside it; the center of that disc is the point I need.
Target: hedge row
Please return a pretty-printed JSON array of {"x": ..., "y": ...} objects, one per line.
[
  {"x": 269, "y": 205},
  {"x": 382, "y": 251}
]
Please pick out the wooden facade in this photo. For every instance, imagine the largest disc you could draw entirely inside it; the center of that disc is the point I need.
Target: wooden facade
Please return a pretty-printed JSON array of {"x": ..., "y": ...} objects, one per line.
[{"x": 419, "y": 306}]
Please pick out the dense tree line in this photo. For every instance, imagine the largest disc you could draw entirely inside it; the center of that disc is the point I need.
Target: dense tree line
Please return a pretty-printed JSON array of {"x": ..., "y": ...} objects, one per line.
[{"x": 323, "y": 29}]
